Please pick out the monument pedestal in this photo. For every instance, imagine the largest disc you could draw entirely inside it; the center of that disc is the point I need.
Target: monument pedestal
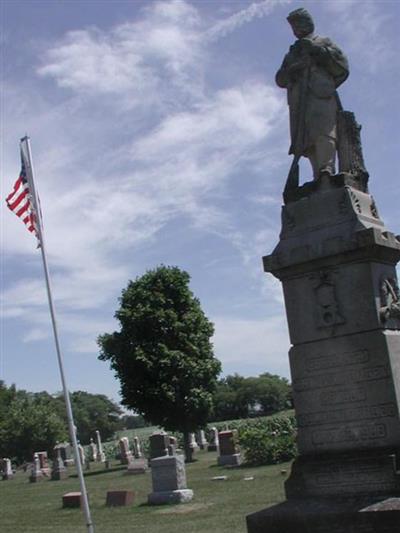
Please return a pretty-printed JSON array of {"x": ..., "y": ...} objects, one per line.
[{"x": 337, "y": 264}]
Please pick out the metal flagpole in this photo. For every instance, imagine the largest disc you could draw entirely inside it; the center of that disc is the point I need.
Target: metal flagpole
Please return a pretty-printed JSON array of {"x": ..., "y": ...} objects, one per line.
[{"x": 71, "y": 426}]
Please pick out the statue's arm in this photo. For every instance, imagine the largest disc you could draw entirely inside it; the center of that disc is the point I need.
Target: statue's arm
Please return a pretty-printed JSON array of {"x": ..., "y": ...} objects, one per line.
[
  {"x": 282, "y": 76},
  {"x": 329, "y": 56}
]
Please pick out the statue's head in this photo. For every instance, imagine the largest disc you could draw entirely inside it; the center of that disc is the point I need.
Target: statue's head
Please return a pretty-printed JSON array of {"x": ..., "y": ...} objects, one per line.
[{"x": 301, "y": 22}]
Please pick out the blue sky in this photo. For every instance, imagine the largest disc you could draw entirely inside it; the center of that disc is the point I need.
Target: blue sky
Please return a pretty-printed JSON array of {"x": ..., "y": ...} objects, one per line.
[{"x": 158, "y": 136}]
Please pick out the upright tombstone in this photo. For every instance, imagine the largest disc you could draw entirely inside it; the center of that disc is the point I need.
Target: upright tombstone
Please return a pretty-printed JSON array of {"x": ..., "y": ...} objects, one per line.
[
  {"x": 229, "y": 454},
  {"x": 36, "y": 471},
  {"x": 59, "y": 471},
  {"x": 7, "y": 472},
  {"x": 169, "y": 481},
  {"x": 81, "y": 452},
  {"x": 201, "y": 439},
  {"x": 124, "y": 451},
  {"x": 100, "y": 457},
  {"x": 66, "y": 453},
  {"x": 172, "y": 446},
  {"x": 337, "y": 264},
  {"x": 213, "y": 445},
  {"x": 137, "y": 451},
  {"x": 192, "y": 442},
  {"x": 158, "y": 444},
  {"x": 44, "y": 463},
  {"x": 92, "y": 450}
]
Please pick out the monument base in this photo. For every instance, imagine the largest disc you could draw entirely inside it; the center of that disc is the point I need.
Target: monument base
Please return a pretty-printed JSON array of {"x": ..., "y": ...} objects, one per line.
[
  {"x": 229, "y": 460},
  {"x": 170, "y": 496},
  {"x": 328, "y": 516}
]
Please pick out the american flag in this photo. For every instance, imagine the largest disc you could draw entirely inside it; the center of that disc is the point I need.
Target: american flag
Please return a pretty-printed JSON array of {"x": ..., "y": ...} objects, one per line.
[{"x": 21, "y": 201}]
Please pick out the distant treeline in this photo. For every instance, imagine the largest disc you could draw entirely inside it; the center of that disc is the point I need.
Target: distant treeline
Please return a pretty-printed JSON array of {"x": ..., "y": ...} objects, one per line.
[{"x": 35, "y": 421}]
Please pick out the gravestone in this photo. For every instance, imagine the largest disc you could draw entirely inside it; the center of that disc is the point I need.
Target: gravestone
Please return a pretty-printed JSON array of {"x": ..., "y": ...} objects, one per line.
[
  {"x": 6, "y": 469},
  {"x": 169, "y": 481},
  {"x": 213, "y": 445},
  {"x": 125, "y": 453},
  {"x": 172, "y": 446},
  {"x": 158, "y": 444},
  {"x": 81, "y": 452},
  {"x": 118, "y": 498},
  {"x": 192, "y": 442},
  {"x": 201, "y": 439},
  {"x": 36, "y": 472},
  {"x": 66, "y": 453},
  {"x": 137, "y": 448},
  {"x": 137, "y": 466},
  {"x": 229, "y": 454},
  {"x": 92, "y": 450},
  {"x": 44, "y": 463},
  {"x": 337, "y": 260},
  {"x": 100, "y": 457},
  {"x": 72, "y": 499},
  {"x": 59, "y": 471}
]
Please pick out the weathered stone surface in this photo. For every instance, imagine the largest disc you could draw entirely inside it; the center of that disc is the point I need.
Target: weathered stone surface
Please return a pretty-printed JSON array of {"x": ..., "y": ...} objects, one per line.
[
  {"x": 328, "y": 516},
  {"x": 168, "y": 473},
  {"x": 173, "y": 496},
  {"x": 120, "y": 498},
  {"x": 213, "y": 445},
  {"x": 228, "y": 442},
  {"x": 6, "y": 469},
  {"x": 158, "y": 445},
  {"x": 72, "y": 499},
  {"x": 137, "y": 466},
  {"x": 233, "y": 459},
  {"x": 169, "y": 481}
]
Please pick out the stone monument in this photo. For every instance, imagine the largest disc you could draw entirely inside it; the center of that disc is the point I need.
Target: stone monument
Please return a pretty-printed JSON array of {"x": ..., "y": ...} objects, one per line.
[
  {"x": 137, "y": 451},
  {"x": 158, "y": 444},
  {"x": 201, "y": 439},
  {"x": 100, "y": 457},
  {"x": 213, "y": 445},
  {"x": 6, "y": 468},
  {"x": 36, "y": 471},
  {"x": 125, "y": 452},
  {"x": 169, "y": 481},
  {"x": 229, "y": 454},
  {"x": 92, "y": 450},
  {"x": 59, "y": 470},
  {"x": 337, "y": 264}
]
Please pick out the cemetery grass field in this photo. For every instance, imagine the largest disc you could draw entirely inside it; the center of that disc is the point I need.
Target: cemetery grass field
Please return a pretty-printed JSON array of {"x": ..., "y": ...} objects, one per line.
[{"x": 217, "y": 506}]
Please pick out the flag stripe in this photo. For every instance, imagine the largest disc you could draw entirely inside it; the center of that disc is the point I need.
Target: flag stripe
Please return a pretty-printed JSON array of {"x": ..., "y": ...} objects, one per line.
[{"x": 20, "y": 201}]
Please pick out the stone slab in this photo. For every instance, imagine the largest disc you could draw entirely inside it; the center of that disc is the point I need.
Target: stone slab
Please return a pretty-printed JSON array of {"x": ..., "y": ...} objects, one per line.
[
  {"x": 168, "y": 473},
  {"x": 344, "y": 475},
  {"x": 172, "y": 496},
  {"x": 136, "y": 467},
  {"x": 328, "y": 516},
  {"x": 120, "y": 498},
  {"x": 72, "y": 499},
  {"x": 345, "y": 393},
  {"x": 234, "y": 459}
]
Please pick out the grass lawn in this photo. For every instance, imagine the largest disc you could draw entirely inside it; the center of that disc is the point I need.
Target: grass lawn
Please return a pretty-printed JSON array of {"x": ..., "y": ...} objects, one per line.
[{"x": 217, "y": 506}]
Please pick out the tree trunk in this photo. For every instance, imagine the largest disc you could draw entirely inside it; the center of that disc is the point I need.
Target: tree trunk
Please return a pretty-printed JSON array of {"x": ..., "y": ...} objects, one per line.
[{"x": 187, "y": 448}]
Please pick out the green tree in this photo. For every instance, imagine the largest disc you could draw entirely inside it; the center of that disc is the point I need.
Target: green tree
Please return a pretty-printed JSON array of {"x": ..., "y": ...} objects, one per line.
[
  {"x": 162, "y": 354},
  {"x": 91, "y": 412},
  {"x": 31, "y": 423}
]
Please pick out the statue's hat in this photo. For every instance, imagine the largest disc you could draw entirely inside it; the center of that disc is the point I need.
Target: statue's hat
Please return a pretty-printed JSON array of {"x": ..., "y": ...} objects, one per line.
[{"x": 300, "y": 14}]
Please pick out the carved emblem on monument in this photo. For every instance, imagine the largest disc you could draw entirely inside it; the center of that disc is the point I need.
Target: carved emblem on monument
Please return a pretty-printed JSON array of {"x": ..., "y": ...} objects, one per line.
[
  {"x": 327, "y": 312},
  {"x": 390, "y": 299}
]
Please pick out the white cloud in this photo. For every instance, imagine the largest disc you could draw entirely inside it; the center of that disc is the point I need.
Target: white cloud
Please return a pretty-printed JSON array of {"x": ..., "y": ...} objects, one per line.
[
  {"x": 252, "y": 343},
  {"x": 106, "y": 193},
  {"x": 231, "y": 23},
  {"x": 364, "y": 27}
]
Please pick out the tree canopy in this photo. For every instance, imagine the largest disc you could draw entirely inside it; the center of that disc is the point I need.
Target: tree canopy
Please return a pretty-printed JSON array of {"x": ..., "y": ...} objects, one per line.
[
  {"x": 241, "y": 397},
  {"x": 162, "y": 354}
]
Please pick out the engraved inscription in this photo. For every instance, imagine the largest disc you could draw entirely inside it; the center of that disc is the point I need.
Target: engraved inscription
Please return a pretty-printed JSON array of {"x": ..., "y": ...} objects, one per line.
[
  {"x": 347, "y": 415},
  {"x": 365, "y": 476},
  {"x": 342, "y": 396},
  {"x": 337, "y": 360},
  {"x": 359, "y": 433},
  {"x": 326, "y": 308},
  {"x": 355, "y": 375}
]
